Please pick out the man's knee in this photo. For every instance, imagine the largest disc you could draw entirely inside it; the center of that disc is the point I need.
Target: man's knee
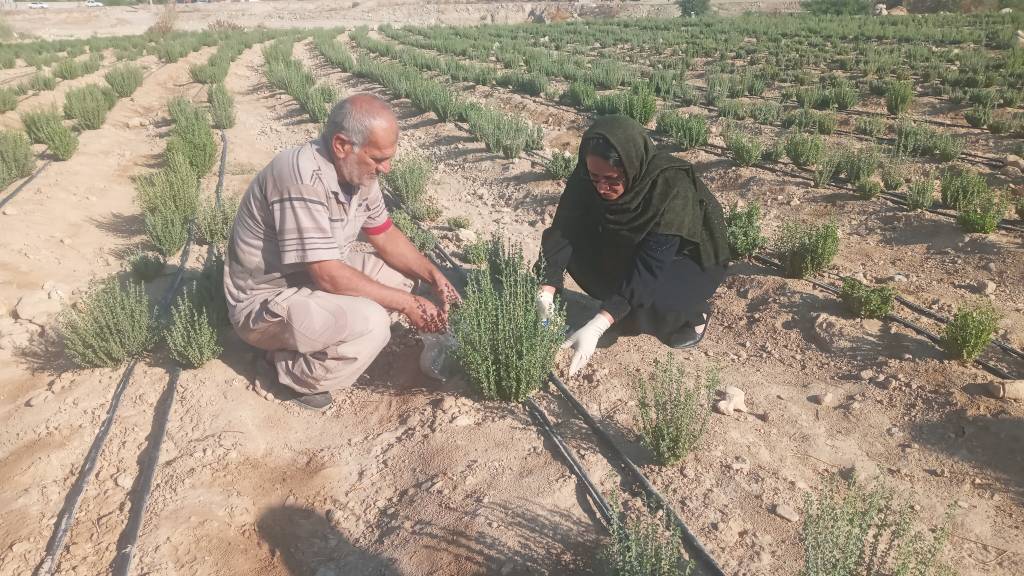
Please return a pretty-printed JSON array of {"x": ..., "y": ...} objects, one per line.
[{"x": 378, "y": 323}]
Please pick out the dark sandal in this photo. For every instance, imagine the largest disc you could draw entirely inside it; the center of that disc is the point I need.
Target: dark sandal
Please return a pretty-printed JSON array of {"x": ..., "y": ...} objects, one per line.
[{"x": 687, "y": 336}]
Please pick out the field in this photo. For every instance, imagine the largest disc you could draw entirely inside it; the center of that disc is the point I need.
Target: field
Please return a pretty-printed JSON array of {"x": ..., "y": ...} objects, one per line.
[{"x": 905, "y": 132}]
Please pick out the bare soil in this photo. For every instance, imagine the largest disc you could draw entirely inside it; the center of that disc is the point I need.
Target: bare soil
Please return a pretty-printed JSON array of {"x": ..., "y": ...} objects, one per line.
[{"x": 404, "y": 475}]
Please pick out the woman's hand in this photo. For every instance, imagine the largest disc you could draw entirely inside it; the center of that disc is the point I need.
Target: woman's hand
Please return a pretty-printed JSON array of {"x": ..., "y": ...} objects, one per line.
[
  {"x": 584, "y": 341},
  {"x": 545, "y": 303}
]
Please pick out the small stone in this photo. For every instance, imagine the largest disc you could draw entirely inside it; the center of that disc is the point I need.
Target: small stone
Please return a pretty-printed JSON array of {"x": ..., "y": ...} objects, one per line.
[
  {"x": 465, "y": 236},
  {"x": 866, "y": 374},
  {"x": 735, "y": 400},
  {"x": 332, "y": 515},
  {"x": 986, "y": 287},
  {"x": 962, "y": 504},
  {"x": 1008, "y": 389},
  {"x": 826, "y": 399},
  {"x": 940, "y": 472},
  {"x": 463, "y": 420},
  {"x": 507, "y": 568},
  {"x": 123, "y": 480},
  {"x": 492, "y": 524},
  {"x": 786, "y": 512},
  {"x": 1015, "y": 161},
  {"x": 991, "y": 267},
  {"x": 37, "y": 307},
  {"x": 10, "y": 211},
  {"x": 794, "y": 202}
]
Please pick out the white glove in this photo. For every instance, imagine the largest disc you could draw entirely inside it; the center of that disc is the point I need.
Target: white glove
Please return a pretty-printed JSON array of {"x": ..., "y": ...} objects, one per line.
[
  {"x": 584, "y": 341},
  {"x": 545, "y": 303}
]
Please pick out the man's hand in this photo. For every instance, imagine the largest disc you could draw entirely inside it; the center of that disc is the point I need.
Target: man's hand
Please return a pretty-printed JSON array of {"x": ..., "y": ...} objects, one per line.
[
  {"x": 449, "y": 295},
  {"x": 584, "y": 341},
  {"x": 424, "y": 316}
]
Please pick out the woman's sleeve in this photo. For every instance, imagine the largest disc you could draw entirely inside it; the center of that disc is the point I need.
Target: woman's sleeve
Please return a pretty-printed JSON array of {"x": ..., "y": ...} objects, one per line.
[
  {"x": 555, "y": 251},
  {"x": 653, "y": 255}
]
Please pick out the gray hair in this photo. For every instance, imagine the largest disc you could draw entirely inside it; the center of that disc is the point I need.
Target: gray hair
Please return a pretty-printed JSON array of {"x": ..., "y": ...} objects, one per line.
[{"x": 355, "y": 117}]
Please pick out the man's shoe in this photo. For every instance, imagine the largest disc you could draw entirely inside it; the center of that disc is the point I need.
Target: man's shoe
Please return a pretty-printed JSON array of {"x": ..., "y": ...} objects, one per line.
[
  {"x": 687, "y": 336},
  {"x": 315, "y": 402}
]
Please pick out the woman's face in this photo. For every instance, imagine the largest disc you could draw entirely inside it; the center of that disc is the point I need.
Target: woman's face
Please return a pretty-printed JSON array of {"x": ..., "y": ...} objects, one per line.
[{"x": 609, "y": 181}]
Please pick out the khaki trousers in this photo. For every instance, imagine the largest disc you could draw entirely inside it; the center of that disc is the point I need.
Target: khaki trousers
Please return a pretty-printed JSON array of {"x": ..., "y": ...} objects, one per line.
[{"x": 319, "y": 341}]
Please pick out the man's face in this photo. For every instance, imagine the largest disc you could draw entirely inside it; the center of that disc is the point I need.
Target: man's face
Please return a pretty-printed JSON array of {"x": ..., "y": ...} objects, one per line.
[{"x": 358, "y": 165}]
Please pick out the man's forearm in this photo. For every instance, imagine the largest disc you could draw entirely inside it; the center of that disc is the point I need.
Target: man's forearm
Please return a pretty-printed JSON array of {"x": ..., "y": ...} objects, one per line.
[
  {"x": 399, "y": 253},
  {"x": 336, "y": 277}
]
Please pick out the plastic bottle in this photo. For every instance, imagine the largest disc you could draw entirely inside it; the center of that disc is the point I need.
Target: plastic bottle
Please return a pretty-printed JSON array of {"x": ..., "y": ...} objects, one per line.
[{"x": 436, "y": 359}]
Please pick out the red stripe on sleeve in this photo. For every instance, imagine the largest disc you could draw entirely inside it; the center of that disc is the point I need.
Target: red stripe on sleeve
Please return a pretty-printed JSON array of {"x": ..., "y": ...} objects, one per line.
[{"x": 375, "y": 230}]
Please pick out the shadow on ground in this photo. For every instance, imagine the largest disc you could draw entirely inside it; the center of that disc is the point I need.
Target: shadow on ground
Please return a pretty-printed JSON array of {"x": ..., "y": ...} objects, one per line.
[{"x": 309, "y": 545}]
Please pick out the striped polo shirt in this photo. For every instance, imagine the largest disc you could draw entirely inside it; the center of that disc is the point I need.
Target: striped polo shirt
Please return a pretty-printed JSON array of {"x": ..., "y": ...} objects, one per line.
[{"x": 294, "y": 212}]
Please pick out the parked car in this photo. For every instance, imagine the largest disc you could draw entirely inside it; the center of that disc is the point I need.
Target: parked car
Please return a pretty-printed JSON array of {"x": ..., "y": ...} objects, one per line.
[
  {"x": 93, "y": 4},
  {"x": 37, "y": 5}
]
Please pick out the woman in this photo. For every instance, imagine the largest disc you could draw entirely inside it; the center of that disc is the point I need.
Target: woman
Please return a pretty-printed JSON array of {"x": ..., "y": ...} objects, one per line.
[{"x": 637, "y": 230}]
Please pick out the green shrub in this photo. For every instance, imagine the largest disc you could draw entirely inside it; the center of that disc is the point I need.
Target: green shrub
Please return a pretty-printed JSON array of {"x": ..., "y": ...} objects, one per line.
[
  {"x": 503, "y": 133},
  {"x": 317, "y": 102},
  {"x": 826, "y": 122},
  {"x": 67, "y": 69},
  {"x": 458, "y": 222},
  {"x": 41, "y": 82},
  {"x": 921, "y": 194},
  {"x": 804, "y": 149},
  {"x": 766, "y": 112},
  {"x": 88, "y": 105},
  {"x": 423, "y": 239},
  {"x": 732, "y": 109},
  {"x": 898, "y": 96},
  {"x": 407, "y": 181},
  {"x": 686, "y": 130},
  {"x": 873, "y": 126},
  {"x": 827, "y": 168},
  {"x": 166, "y": 230},
  {"x": 476, "y": 252},
  {"x": 561, "y": 165},
  {"x": 894, "y": 175},
  {"x": 8, "y": 100},
  {"x": 946, "y": 147},
  {"x": 745, "y": 149},
  {"x": 844, "y": 94},
  {"x": 867, "y": 188},
  {"x": 145, "y": 266},
  {"x": 222, "y": 106},
  {"x": 191, "y": 338},
  {"x": 638, "y": 103},
  {"x": 580, "y": 94},
  {"x": 983, "y": 213},
  {"x": 970, "y": 331},
  {"x": 673, "y": 415},
  {"x": 959, "y": 187},
  {"x": 213, "y": 223},
  {"x": 16, "y": 159},
  {"x": 744, "y": 230},
  {"x": 192, "y": 139},
  {"x": 861, "y": 163},
  {"x": 124, "y": 79},
  {"x": 865, "y": 301},
  {"x": 38, "y": 123},
  {"x": 112, "y": 323},
  {"x": 641, "y": 544},
  {"x": 504, "y": 349},
  {"x": 852, "y": 531},
  {"x": 805, "y": 250},
  {"x": 979, "y": 116}
]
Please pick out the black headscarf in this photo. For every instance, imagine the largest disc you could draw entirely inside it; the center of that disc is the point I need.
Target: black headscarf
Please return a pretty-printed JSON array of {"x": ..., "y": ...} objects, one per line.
[{"x": 662, "y": 195}]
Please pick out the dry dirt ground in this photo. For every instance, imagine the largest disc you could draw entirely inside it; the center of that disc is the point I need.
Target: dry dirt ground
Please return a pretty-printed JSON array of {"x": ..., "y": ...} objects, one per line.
[{"x": 407, "y": 476}]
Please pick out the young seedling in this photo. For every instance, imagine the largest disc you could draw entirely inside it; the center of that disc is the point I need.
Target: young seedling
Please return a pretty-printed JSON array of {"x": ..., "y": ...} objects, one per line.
[
  {"x": 112, "y": 323},
  {"x": 970, "y": 331},
  {"x": 145, "y": 266},
  {"x": 865, "y": 301},
  {"x": 16, "y": 158},
  {"x": 744, "y": 230},
  {"x": 503, "y": 347},
  {"x": 191, "y": 338},
  {"x": 805, "y": 250},
  {"x": 641, "y": 544},
  {"x": 921, "y": 194},
  {"x": 984, "y": 212},
  {"x": 561, "y": 165},
  {"x": 673, "y": 414},
  {"x": 850, "y": 530}
]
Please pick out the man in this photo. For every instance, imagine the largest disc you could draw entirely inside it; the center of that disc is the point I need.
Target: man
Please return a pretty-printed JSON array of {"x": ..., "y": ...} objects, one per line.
[{"x": 294, "y": 286}]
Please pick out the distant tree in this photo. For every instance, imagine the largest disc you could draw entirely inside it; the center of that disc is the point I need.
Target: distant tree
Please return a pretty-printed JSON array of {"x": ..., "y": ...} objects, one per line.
[
  {"x": 838, "y": 7},
  {"x": 694, "y": 7}
]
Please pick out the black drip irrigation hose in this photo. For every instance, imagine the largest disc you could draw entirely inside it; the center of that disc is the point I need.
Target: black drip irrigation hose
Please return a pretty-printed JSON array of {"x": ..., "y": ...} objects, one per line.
[
  {"x": 934, "y": 338},
  {"x": 712, "y": 568},
  {"x": 65, "y": 518},
  {"x": 130, "y": 536},
  {"x": 659, "y": 501}
]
